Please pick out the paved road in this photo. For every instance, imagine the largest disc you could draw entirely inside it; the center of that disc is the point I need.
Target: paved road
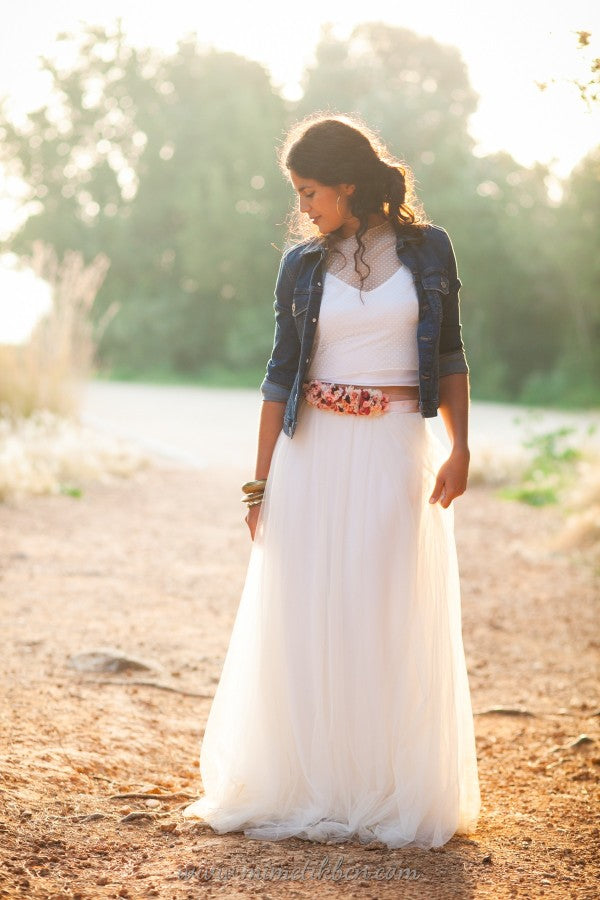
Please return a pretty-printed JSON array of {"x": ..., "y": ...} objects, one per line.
[{"x": 200, "y": 426}]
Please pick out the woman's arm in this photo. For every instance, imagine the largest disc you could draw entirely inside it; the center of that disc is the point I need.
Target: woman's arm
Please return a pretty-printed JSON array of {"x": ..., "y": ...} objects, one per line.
[
  {"x": 452, "y": 477},
  {"x": 270, "y": 425},
  {"x": 269, "y": 429},
  {"x": 277, "y": 384},
  {"x": 454, "y": 409},
  {"x": 454, "y": 391},
  {"x": 453, "y": 360}
]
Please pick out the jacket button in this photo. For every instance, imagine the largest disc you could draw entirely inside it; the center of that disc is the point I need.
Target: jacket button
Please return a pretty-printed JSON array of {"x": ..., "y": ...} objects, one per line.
[
  {"x": 314, "y": 320},
  {"x": 293, "y": 307},
  {"x": 307, "y": 358},
  {"x": 318, "y": 284}
]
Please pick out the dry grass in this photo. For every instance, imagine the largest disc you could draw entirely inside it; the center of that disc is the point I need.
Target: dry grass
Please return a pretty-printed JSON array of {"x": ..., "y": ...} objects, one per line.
[
  {"x": 45, "y": 453},
  {"x": 494, "y": 466},
  {"x": 577, "y": 494},
  {"x": 43, "y": 448},
  {"x": 582, "y": 505},
  {"x": 48, "y": 370}
]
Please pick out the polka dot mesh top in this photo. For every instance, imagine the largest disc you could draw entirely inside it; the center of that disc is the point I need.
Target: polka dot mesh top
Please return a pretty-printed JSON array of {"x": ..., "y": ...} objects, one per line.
[{"x": 367, "y": 336}]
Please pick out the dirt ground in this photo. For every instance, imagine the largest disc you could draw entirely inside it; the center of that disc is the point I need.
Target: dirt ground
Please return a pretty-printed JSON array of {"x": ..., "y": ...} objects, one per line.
[{"x": 153, "y": 566}]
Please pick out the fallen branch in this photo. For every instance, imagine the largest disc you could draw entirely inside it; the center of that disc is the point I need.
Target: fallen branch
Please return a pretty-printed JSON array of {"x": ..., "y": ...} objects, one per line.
[
  {"x": 143, "y": 683},
  {"x": 149, "y": 796},
  {"x": 137, "y": 817}
]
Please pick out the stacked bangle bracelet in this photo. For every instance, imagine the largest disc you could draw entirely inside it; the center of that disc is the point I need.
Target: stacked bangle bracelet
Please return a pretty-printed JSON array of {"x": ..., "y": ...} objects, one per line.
[{"x": 253, "y": 491}]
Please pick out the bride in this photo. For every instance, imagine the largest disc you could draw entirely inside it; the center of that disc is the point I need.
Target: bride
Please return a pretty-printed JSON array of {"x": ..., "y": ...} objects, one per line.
[{"x": 343, "y": 709}]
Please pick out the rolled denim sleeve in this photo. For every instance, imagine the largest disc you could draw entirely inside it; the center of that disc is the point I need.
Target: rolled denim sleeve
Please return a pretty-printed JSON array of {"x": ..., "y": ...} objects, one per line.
[
  {"x": 452, "y": 354},
  {"x": 285, "y": 355}
]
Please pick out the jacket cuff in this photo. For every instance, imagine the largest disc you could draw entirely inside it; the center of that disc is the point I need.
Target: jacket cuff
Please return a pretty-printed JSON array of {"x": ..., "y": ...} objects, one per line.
[
  {"x": 270, "y": 390},
  {"x": 454, "y": 363}
]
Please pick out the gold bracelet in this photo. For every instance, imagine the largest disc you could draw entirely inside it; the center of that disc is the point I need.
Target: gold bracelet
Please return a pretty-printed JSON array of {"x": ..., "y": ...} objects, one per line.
[
  {"x": 250, "y": 486},
  {"x": 255, "y": 502},
  {"x": 258, "y": 495}
]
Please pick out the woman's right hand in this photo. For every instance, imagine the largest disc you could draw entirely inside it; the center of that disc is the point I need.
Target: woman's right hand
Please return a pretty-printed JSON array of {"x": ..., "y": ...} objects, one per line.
[
  {"x": 271, "y": 422},
  {"x": 251, "y": 518}
]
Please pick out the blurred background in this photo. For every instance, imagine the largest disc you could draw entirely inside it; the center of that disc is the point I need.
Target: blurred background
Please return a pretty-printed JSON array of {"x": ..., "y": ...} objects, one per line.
[
  {"x": 142, "y": 137},
  {"x": 142, "y": 217}
]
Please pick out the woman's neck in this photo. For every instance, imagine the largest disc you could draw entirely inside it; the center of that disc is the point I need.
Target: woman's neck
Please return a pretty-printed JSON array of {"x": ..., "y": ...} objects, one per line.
[{"x": 350, "y": 228}]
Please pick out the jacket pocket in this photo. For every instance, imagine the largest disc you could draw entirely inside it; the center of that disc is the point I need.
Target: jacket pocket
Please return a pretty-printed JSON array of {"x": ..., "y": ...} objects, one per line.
[
  {"x": 436, "y": 280},
  {"x": 436, "y": 285},
  {"x": 299, "y": 307}
]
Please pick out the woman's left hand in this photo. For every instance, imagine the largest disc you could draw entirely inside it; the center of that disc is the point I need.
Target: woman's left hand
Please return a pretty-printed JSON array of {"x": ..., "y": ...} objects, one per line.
[{"x": 452, "y": 477}]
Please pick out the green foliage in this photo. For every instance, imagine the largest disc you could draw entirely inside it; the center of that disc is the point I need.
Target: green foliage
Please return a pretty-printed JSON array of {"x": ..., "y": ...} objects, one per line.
[
  {"x": 167, "y": 164},
  {"x": 551, "y": 469},
  {"x": 71, "y": 490}
]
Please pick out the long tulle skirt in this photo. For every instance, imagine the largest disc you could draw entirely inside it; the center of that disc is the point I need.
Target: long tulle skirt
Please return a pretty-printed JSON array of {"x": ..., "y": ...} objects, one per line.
[{"x": 343, "y": 709}]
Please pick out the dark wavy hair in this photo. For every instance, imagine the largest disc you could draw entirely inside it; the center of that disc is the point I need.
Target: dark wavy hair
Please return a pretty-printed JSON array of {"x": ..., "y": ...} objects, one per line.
[{"x": 336, "y": 149}]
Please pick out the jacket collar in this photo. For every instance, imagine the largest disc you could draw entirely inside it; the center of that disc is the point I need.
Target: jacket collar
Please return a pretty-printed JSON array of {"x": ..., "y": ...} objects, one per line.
[{"x": 316, "y": 245}]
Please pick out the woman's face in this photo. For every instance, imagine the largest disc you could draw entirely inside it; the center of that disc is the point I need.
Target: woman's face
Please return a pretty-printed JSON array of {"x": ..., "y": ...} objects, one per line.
[{"x": 320, "y": 203}]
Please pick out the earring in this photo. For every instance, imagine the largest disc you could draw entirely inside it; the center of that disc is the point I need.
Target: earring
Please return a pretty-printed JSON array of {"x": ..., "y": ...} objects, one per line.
[{"x": 337, "y": 206}]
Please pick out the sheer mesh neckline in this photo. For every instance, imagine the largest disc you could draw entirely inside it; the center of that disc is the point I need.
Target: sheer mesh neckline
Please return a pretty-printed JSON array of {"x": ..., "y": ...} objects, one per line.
[
  {"x": 387, "y": 281},
  {"x": 380, "y": 257},
  {"x": 370, "y": 234}
]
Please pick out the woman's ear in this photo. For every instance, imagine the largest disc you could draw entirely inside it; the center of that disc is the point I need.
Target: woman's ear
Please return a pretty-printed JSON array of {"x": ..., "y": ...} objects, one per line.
[{"x": 348, "y": 189}]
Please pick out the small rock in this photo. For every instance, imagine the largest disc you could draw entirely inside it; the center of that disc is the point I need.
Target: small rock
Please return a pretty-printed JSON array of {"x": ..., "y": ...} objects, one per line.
[
  {"x": 135, "y": 817},
  {"x": 580, "y": 741}
]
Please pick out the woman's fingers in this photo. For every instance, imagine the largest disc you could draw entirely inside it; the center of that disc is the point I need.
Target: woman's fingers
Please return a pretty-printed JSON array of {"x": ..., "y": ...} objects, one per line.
[
  {"x": 438, "y": 488},
  {"x": 451, "y": 481},
  {"x": 443, "y": 495}
]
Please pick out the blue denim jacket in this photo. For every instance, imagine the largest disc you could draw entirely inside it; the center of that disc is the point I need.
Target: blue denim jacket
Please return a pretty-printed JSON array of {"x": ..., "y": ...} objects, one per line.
[{"x": 298, "y": 290}]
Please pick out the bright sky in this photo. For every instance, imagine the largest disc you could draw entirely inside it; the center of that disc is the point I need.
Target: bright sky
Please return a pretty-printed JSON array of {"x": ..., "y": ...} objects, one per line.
[{"x": 507, "y": 47}]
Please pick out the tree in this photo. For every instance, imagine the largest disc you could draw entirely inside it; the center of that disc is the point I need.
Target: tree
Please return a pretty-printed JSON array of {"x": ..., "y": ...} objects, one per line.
[{"x": 167, "y": 165}]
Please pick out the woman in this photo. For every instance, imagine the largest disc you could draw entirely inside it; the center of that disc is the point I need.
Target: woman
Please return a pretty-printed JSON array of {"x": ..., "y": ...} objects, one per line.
[{"x": 343, "y": 709}]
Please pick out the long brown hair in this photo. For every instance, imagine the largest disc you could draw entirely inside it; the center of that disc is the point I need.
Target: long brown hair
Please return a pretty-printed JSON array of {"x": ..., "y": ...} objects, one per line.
[{"x": 336, "y": 149}]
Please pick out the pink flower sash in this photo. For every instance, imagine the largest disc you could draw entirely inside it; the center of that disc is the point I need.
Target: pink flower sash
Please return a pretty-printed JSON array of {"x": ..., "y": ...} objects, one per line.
[{"x": 346, "y": 398}]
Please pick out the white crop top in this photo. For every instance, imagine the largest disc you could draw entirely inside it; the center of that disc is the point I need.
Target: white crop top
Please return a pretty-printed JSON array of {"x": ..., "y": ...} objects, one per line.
[{"x": 370, "y": 341}]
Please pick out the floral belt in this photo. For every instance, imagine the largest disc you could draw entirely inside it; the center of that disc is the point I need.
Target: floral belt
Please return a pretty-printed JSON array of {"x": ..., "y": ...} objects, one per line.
[{"x": 346, "y": 398}]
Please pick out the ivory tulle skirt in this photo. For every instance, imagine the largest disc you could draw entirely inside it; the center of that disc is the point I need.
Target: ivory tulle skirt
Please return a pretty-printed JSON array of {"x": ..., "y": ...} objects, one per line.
[{"x": 343, "y": 709}]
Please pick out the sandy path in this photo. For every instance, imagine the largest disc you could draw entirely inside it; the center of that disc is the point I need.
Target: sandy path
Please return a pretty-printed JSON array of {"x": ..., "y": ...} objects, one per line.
[{"x": 154, "y": 566}]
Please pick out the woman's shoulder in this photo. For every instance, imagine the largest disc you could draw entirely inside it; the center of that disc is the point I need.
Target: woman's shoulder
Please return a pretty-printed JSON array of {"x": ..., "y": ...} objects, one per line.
[
  {"x": 304, "y": 246},
  {"x": 292, "y": 254},
  {"x": 436, "y": 233}
]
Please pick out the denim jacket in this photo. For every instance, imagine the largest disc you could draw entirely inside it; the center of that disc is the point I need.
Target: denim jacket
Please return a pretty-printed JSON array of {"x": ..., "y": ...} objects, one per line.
[{"x": 298, "y": 290}]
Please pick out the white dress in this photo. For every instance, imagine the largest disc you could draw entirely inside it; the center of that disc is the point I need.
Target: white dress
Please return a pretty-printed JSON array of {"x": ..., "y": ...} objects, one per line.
[{"x": 343, "y": 709}]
